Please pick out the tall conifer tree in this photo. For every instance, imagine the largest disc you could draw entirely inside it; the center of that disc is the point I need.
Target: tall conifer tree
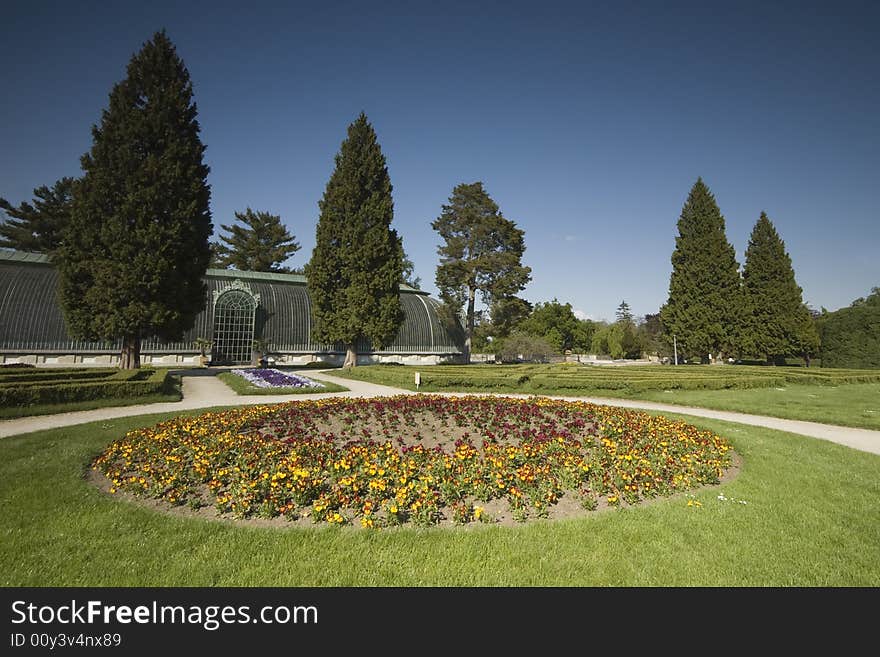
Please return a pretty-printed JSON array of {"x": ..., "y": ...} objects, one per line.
[
  {"x": 38, "y": 227},
  {"x": 777, "y": 324},
  {"x": 356, "y": 267},
  {"x": 136, "y": 246},
  {"x": 704, "y": 308}
]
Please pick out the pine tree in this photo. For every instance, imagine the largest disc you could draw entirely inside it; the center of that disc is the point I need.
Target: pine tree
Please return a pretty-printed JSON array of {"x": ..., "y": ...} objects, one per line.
[
  {"x": 778, "y": 323},
  {"x": 356, "y": 267},
  {"x": 262, "y": 243},
  {"x": 38, "y": 227},
  {"x": 482, "y": 251},
  {"x": 705, "y": 300},
  {"x": 136, "y": 246}
]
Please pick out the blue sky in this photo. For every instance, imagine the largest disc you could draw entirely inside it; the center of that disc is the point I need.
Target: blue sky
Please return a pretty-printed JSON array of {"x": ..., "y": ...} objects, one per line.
[{"x": 588, "y": 123}]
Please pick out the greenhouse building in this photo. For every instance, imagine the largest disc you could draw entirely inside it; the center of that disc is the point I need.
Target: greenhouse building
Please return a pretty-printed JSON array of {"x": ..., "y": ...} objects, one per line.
[{"x": 240, "y": 307}]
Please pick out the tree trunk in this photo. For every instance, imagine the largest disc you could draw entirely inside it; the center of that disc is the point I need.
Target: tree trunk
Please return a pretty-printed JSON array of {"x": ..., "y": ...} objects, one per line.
[
  {"x": 807, "y": 360},
  {"x": 350, "y": 356},
  {"x": 130, "y": 358},
  {"x": 469, "y": 330}
]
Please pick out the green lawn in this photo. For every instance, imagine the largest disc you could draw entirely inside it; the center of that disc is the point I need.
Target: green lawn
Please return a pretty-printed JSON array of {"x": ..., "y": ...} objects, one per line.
[
  {"x": 851, "y": 405},
  {"x": 765, "y": 390},
  {"x": 811, "y": 518},
  {"x": 245, "y": 387}
]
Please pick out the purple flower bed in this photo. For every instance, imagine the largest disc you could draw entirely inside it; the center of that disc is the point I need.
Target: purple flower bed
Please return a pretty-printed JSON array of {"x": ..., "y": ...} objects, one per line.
[{"x": 270, "y": 378}]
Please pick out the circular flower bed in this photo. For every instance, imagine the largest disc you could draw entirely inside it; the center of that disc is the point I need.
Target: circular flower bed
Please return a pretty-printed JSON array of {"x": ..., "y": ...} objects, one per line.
[{"x": 417, "y": 459}]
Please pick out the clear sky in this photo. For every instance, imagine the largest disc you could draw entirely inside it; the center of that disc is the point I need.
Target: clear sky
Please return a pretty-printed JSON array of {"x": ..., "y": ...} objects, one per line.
[{"x": 588, "y": 122}]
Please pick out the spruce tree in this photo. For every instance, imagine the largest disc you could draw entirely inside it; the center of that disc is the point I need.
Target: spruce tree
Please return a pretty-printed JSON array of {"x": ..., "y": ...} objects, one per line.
[
  {"x": 356, "y": 267},
  {"x": 624, "y": 314},
  {"x": 259, "y": 242},
  {"x": 778, "y": 324},
  {"x": 136, "y": 246},
  {"x": 482, "y": 252},
  {"x": 705, "y": 300},
  {"x": 38, "y": 227}
]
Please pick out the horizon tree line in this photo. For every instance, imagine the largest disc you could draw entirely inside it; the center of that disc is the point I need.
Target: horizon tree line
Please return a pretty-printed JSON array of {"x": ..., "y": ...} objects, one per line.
[{"x": 130, "y": 239}]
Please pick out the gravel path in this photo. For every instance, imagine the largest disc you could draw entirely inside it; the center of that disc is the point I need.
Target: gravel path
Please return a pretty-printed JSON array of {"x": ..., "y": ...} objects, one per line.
[{"x": 202, "y": 389}]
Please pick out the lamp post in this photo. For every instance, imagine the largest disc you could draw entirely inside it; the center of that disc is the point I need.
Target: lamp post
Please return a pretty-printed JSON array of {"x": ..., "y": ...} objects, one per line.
[{"x": 675, "y": 348}]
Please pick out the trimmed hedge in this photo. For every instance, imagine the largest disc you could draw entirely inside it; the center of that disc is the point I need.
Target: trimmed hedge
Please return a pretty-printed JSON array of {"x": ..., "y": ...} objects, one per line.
[
  {"x": 44, "y": 371},
  {"x": 56, "y": 376},
  {"x": 656, "y": 383},
  {"x": 536, "y": 378},
  {"x": 130, "y": 383},
  {"x": 537, "y": 382}
]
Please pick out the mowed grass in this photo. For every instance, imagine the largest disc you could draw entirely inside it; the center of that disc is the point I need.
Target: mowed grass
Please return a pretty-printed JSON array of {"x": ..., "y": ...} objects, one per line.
[
  {"x": 832, "y": 396},
  {"x": 811, "y": 518},
  {"x": 11, "y": 412},
  {"x": 244, "y": 387},
  {"x": 851, "y": 405}
]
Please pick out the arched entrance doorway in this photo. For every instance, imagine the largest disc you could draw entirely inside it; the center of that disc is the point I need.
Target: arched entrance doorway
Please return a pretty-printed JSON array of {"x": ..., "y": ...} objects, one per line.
[{"x": 234, "y": 313}]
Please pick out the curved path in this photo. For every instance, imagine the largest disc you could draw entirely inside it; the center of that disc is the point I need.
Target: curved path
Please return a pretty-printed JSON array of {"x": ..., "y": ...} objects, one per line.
[{"x": 201, "y": 389}]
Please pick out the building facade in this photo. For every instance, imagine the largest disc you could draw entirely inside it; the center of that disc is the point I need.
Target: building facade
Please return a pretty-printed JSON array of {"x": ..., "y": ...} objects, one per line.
[{"x": 240, "y": 307}]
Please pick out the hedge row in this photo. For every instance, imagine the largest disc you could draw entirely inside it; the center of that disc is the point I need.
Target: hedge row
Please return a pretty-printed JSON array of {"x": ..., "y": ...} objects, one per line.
[
  {"x": 833, "y": 378},
  {"x": 635, "y": 384},
  {"x": 136, "y": 383},
  {"x": 636, "y": 378},
  {"x": 643, "y": 384},
  {"x": 56, "y": 376},
  {"x": 33, "y": 370}
]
